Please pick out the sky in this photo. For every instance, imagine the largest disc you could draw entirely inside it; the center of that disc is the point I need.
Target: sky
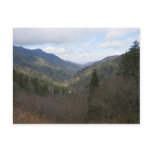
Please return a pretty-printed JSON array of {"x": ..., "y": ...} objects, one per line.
[{"x": 79, "y": 45}]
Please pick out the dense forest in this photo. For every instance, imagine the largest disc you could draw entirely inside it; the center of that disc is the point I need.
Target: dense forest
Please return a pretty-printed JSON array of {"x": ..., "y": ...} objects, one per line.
[{"x": 47, "y": 89}]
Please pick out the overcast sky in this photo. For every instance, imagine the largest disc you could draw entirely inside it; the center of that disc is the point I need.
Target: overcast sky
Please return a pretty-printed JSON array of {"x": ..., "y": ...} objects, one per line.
[{"x": 80, "y": 45}]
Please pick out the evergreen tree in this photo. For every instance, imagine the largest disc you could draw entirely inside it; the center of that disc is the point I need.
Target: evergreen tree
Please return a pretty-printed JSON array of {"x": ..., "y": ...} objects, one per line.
[
  {"x": 44, "y": 89},
  {"x": 129, "y": 62},
  {"x": 92, "y": 107},
  {"x": 94, "y": 80},
  {"x": 36, "y": 84},
  {"x": 94, "y": 83}
]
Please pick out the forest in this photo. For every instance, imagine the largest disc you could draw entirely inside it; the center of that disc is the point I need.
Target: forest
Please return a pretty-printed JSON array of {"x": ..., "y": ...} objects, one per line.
[{"x": 49, "y": 90}]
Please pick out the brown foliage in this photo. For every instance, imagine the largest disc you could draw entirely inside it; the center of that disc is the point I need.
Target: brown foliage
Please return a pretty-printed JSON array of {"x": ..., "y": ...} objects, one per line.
[
  {"x": 51, "y": 109},
  {"x": 116, "y": 101}
]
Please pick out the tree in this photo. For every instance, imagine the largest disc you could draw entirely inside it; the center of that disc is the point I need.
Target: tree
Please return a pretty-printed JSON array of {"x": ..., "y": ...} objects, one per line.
[
  {"x": 35, "y": 84},
  {"x": 44, "y": 90},
  {"x": 94, "y": 83},
  {"x": 56, "y": 90},
  {"x": 129, "y": 62},
  {"x": 92, "y": 107},
  {"x": 94, "y": 80}
]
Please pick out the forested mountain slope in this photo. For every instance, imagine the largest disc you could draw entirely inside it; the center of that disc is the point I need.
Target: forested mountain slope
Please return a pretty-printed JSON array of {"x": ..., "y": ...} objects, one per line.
[
  {"x": 105, "y": 68},
  {"x": 41, "y": 62}
]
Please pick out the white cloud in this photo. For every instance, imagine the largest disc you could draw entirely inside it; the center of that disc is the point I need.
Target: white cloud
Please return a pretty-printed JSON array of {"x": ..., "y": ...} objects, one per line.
[
  {"x": 84, "y": 44},
  {"x": 57, "y": 51},
  {"x": 112, "y": 44},
  {"x": 93, "y": 39},
  {"x": 28, "y": 36},
  {"x": 116, "y": 44},
  {"x": 118, "y": 33}
]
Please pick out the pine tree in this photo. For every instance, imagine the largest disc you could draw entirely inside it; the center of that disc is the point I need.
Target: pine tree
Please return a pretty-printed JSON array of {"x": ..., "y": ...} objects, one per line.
[
  {"x": 92, "y": 107},
  {"x": 129, "y": 62},
  {"x": 94, "y": 83}
]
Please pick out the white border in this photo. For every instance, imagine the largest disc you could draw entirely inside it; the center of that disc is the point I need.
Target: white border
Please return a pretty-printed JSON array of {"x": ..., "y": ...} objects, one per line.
[{"x": 70, "y": 13}]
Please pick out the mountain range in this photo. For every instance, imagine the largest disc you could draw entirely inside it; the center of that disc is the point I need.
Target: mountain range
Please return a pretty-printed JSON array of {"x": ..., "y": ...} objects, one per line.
[
  {"x": 37, "y": 63},
  {"x": 48, "y": 64}
]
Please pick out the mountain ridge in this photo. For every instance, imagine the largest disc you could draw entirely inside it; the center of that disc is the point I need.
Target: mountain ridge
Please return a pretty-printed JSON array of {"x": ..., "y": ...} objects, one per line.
[
  {"x": 48, "y": 64},
  {"x": 53, "y": 66}
]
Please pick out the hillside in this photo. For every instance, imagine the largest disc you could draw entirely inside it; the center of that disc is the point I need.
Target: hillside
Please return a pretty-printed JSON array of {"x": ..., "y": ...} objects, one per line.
[
  {"x": 106, "y": 68},
  {"x": 43, "y": 63}
]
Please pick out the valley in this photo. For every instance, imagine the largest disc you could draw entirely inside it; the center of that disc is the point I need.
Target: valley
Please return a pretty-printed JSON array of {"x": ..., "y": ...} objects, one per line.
[{"x": 48, "y": 89}]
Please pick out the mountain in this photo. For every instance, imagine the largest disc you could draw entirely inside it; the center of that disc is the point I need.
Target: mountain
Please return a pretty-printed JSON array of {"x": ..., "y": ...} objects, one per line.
[
  {"x": 109, "y": 58},
  {"x": 78, "y": 64},
  {"x": 107, "y": 63},
  {"x": 43, "y": 63},
  {"x": 106, "y": 68},
  {"x": 87, "y": 64}
]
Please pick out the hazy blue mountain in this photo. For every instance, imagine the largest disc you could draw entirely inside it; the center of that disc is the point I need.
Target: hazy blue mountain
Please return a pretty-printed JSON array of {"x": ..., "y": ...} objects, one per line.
[
  {"x": 53, "y": 59},
  {"x": 87, "y": 64},
  {"x": 40, "y": 61}
]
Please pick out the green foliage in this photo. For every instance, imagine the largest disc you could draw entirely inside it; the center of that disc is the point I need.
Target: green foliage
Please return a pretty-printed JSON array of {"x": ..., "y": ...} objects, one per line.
[
  {"x": 64, "y": 90},
  {"x": 105, "y": 68},
  {"x": 21, "y": 79},
  {"x": 44, "y": 89},
  {"x": 94, "y": 84},
  {"x": 129, "y": 62},
  {"x": 94, "y": 80},
  {"x": 56, "y": 90},
  {"x": 60, "y": 90},
  {"x": 41, "y": 87},
  {"x": 43, "y": 63},
  {"x": 35, "y": 84},
  {"x": 24, "y": 82}
]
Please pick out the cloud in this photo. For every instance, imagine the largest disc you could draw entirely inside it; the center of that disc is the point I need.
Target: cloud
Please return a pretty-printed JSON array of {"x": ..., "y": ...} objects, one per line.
[
  {"x": 28, "y": 36},
  {"x": 94, "y": 56},
  {"x": 116, "y": 44},
  {"x": 84, "y": 44},
  {"x": 112, "y": 44},
  {"x": 57, "y": 51},
  {"x": 118, "y": 33},
  {"x": 76, "y": 44},
  {"x": 93, "y": 39}
]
